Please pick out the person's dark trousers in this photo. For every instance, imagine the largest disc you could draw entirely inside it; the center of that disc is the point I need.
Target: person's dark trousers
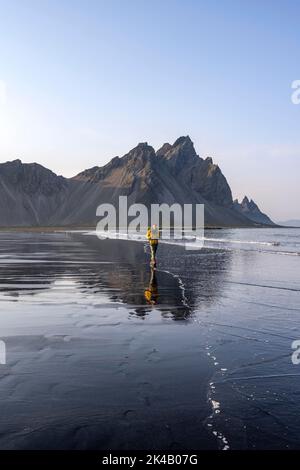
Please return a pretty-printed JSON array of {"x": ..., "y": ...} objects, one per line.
[{"x": 153, "y": 251}]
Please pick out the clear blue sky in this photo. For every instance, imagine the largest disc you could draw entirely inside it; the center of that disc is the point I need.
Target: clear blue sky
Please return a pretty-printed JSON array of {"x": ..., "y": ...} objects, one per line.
[{"x": 83, "y": 80}]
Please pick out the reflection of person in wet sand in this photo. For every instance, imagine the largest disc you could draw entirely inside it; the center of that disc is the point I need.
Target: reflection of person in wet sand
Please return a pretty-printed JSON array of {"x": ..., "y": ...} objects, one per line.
[{"x": 151, "y": 294}]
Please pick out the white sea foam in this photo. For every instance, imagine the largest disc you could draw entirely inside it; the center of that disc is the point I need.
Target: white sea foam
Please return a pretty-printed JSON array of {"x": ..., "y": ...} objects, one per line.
[
  {"x": 224, "y": 244},
  {"x": 241, "y": 242}
]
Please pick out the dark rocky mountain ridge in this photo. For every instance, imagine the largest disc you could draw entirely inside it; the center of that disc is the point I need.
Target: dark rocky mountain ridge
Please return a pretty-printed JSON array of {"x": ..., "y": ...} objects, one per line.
[
  {"x": 31, "y": 195},
  {"x": 251, "y": 210}
]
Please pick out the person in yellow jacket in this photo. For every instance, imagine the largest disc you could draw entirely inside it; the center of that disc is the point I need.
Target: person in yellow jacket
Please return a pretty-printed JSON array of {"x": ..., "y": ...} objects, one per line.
[{"x": 153, "y": 236}]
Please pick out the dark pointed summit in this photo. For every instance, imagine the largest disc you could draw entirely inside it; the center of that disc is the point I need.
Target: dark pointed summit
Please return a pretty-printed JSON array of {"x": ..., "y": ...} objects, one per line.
[
  {"x": 180, "y": 154},
  {"x": 164, "y": 149},
  {"x": 183, "y": 140},
  {"x": 251, "y": 210},
  {"x": 200, "y": 175},
  {"x": 142, "y": 151},
  {"x": 245, "y": 201}
]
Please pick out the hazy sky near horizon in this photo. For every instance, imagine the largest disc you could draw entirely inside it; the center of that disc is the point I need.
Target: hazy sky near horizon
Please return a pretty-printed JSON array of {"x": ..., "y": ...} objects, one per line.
[{"x": 84, "y": 81}]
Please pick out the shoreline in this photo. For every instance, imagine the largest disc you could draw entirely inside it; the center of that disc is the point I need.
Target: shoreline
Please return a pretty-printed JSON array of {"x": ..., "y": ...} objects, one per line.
[{"x": 51, "y": 229}]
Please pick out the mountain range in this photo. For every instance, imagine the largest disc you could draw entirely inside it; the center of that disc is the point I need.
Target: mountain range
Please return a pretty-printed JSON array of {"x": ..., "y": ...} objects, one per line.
[{"x": 31, "y": 195}]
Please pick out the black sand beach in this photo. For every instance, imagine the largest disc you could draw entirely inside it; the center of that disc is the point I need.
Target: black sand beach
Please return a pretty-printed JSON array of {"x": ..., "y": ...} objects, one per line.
[{"x": 202, "y": 362}]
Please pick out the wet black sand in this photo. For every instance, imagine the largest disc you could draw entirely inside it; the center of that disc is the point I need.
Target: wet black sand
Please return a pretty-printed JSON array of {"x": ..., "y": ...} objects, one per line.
[{"x": 94, "y": 363}]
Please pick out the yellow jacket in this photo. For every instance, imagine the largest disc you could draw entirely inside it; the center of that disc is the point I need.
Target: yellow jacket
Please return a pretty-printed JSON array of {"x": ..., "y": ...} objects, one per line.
[{"x": 153, "y": 241}]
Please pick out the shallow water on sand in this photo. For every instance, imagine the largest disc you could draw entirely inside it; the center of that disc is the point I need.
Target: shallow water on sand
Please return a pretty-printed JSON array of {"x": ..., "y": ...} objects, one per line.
[{"x": 102, "y": 353}]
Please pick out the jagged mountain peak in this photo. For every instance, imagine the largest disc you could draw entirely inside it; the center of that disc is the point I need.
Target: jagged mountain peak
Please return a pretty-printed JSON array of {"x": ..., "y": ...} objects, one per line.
[
  {"x": 179, "y": 155},
  {"x": 249, "y": 204},
  {"x": 136, "y": 159},
  {"x": 141, "y": 151},
  {"x": 250, "y": 209},
  {"x": 203, "y": 176},
  {"x": 31, "y": 178},
  {"x": 163, "y": 149},
  {"x": 183, "y": 140},
  {"x": 16, "y": 162},
  {"x": 245, "y": 200},
  {"x": 142, "y": 145}
]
